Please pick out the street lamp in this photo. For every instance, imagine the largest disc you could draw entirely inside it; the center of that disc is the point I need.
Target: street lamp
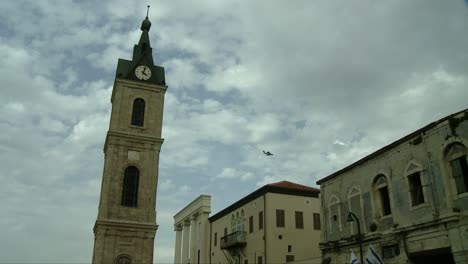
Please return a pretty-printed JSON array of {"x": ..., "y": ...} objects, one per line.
[{"x": 351, "y": 218}]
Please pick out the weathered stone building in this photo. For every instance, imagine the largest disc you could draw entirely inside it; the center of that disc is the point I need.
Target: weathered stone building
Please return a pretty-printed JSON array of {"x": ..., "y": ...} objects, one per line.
[
  {"x": 278, "y": 223},
  {"x": 410, "y": 197},
  {"x": 126, "y": 223}
]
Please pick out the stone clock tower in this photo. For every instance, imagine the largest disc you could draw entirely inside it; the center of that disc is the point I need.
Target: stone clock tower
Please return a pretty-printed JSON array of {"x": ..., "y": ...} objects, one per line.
[{"x": 126, "y": 223}]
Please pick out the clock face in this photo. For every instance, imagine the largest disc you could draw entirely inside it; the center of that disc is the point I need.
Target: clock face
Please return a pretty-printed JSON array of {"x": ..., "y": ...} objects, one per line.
[{"x": 143, "y": 72}]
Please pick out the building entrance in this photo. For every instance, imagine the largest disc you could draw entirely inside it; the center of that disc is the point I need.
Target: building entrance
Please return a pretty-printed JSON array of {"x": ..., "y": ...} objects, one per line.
[{"x": 433, "y": 256}]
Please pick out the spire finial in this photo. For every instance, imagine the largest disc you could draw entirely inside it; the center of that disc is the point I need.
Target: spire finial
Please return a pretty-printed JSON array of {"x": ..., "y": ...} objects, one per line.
[{"x": 146, "y": 23}]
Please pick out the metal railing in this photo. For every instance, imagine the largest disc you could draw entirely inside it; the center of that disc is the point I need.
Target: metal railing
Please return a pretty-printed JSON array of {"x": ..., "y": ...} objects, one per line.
[{"x": 235, "y": 239}]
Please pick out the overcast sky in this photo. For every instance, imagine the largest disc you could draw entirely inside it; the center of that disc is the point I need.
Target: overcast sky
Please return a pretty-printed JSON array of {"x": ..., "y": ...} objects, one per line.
[{"x": 318, "y": 83}]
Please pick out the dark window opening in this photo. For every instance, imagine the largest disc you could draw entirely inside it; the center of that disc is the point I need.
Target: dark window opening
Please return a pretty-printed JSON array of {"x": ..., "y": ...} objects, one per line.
[
  {"x": 385, "y": 200},
  {"x": 289, "y": 248},
  {"x": 299, "y": 220},
  {"x": 289, "y": 258},
  {"x": 316, "y": 221},
  {"x": 215, "y": 239},
  {"x": 259, "y": 260},
  {"x": 260, "y": 220},
  {"x": 280, "y": 218},
  {"x": 251, "y": 224},
  {"x": 138, "y": 114},
  {"x": 123, "y": 260},
  {"x": 416, "y": 190},
  {"x": 130, "y": 187},
  {"x": 460, "y": 173}
]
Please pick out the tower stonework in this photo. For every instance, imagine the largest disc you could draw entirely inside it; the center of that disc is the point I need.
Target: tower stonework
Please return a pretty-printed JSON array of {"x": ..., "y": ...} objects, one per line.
[{"x": 126, "y": 223}]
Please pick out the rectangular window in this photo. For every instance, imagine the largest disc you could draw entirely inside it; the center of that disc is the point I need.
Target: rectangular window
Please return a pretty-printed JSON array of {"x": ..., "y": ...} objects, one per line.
[
  {"x": 280, "y": 218},
  {"x": 246, "y": 261},
  {"x": 385, "y": 200},
  {"x": 251, "y": 224},
  {"x": 316, "y": 221},
  {"x": 289, "y": 248},
  {"x": 259, "y": 260},
  {"x": 460, "y": 173},
  {"x": 299, "y": 220},
  {"x": 215, "y": 239},
  {"x": 260, "y": 220},
  {"x": 289, "y": 258},
  {"x": 416, "y": 190}
]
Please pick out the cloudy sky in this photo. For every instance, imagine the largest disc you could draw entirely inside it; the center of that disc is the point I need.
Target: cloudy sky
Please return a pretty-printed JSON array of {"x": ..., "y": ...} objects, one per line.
[{"x": 318, "y": 83}]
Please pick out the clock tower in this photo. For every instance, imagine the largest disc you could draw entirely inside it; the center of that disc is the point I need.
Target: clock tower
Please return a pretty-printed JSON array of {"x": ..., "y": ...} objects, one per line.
[{"x": 126, "y": 223}]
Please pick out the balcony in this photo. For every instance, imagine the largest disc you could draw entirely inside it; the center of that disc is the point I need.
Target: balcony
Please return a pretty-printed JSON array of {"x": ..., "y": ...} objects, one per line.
[{"x": 233, "y": 240}]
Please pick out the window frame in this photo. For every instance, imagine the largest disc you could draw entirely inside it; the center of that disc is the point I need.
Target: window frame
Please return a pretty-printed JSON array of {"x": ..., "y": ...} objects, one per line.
[
  {"x": 334, "y": 200},
  {"x": 353, "y": 192},
  {"x": 138, "y": 113},
  {"x": 126, "y": 184},
  {"x": 457, "y": 151},
  {"x": 280, "y": 218},
  {"x": 299, "y": 219},
  {"x": 316, "y": 216},
  {"x": 378, "y": 189}
]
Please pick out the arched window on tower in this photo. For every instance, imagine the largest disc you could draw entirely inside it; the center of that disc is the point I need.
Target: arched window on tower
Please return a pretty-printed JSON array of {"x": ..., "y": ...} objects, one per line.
[
  {"x": 130, "y": 187},
  {"x": 123, "y": 260},
  {"x": 138, "y": 114}
]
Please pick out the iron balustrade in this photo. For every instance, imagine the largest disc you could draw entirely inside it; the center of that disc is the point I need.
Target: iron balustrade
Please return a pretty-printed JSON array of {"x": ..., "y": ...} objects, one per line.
[{"x": 235, "y": 239}]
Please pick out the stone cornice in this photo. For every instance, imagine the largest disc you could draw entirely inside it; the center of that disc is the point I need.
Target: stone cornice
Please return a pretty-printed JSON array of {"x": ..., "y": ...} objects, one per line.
[
  {"x": 149, "y": 227},
  {"x": 138, "y": 85},
  {"x": 127, "y": 136}
]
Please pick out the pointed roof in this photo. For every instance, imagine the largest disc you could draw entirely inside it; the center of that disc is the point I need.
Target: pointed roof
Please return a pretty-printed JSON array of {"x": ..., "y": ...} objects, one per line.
[
  {"x": 142, "y": 55},
  {"x": 282, "y": 187},
  {"x": 293, "y": 186}
]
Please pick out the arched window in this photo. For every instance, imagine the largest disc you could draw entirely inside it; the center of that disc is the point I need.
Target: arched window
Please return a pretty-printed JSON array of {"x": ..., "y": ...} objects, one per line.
[
  {"x": 138, "y": 114},
  {"x": 334, "y": 212},
  {"x": 242, "y": 221},
  {"x": 456, "y": 158},
  {"x": 233, "y": 224},
  {"x": 355, "y": 206},
  {"x": 382, "y": 195},
  {"x": 415, "y": 183},
  {"x": 130, "y": 187},
  {"x": 123, "y": 260}
]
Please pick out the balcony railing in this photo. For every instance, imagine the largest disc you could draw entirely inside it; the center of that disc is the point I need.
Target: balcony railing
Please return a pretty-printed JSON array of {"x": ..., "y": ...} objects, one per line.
[{"x": 235, "y": 239}]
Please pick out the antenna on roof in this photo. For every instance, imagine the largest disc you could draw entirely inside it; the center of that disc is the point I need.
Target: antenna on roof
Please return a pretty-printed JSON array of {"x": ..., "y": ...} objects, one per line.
[{"x": 147, "y": 11}]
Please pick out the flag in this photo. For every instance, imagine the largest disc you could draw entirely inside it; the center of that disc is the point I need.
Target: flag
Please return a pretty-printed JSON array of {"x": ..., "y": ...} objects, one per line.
[
  {"x": 353, "y": 260},
  {"x": 372, "y": 257}
]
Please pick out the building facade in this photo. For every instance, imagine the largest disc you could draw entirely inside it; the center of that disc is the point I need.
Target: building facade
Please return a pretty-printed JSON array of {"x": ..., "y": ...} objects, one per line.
[
  {"x": 126, "y": 223},
  {"x": 193, "y": 232},
  {"x": 410, "y": 198},
  {"x": 277, "y": 223}
]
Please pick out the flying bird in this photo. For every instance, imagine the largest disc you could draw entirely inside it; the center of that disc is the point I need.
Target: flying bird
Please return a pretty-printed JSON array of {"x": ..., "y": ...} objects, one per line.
[{"x": 267, "y": 153}]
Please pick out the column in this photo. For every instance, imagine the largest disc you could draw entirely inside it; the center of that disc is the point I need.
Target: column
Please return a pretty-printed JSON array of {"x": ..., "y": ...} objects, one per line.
[
  {"x": 178, "y": 249},
  {"x": 185, "y": 242},
  {"x": 193, "y": 240},
  {"x": 204, "y": 238}
]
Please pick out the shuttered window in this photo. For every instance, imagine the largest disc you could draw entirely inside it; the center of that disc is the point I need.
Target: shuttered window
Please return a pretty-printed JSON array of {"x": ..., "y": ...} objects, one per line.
[
  {"x": 260, "y": 220},
  {"x": 280, "y": 218},
  {"x": 251, "y": 224},
  {"x": 299, "y": 220},
  {"x": 316, "y": 221}
]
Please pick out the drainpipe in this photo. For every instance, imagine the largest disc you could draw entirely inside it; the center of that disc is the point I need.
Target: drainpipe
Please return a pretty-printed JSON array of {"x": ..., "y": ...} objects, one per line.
[
  {"x": 211, "y": 231},
  {"x": 435, "y": 212}
]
